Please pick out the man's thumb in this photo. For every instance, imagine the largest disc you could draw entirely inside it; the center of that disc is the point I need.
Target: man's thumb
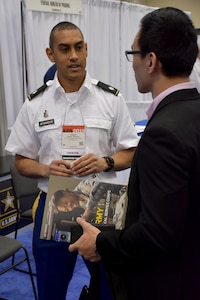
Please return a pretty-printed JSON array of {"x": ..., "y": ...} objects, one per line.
[{"x": 81, "y": 221}]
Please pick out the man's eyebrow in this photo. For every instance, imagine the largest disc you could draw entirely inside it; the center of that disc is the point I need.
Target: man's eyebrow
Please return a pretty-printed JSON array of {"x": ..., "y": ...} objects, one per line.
[{"x": 65, "y": 44}]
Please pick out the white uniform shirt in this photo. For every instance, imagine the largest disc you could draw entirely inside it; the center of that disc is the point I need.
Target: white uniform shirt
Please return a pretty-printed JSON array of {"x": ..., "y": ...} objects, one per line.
[
  {"x": 195, "y": 75},
  {"x": 108, "y": 125}
]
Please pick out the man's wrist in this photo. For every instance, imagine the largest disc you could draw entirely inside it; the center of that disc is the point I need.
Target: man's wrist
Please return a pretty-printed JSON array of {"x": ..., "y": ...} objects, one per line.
[
  {"x": 96, "y": 251},
  {"x": 110, "y": 162}
]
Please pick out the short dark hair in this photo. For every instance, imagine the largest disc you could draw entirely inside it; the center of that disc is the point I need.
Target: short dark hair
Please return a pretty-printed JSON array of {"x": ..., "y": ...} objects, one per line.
[
  {"x": 62, "y": 26},
  {"x": 63, "y": 193},
  {"x": 170, "y": 34},
  {"x": 58, "y": 195}
]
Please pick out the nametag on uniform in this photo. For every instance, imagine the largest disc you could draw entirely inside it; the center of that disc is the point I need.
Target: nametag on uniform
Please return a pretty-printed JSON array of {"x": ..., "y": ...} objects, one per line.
[{"x": 46, "y": 122}]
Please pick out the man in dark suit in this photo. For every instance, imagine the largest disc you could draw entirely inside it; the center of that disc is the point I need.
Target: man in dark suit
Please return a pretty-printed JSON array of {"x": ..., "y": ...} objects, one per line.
[{"x": 157, "y": 255}]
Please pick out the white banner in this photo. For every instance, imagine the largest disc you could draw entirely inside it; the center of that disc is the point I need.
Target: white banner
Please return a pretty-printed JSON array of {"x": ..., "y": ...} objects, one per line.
[{"x": 57, "y": 6}]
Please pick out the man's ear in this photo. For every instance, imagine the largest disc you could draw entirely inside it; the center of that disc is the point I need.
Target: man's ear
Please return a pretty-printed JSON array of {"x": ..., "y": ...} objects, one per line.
[
  {"x": 50, "y": 54},
  {"x": 152, "y": 62},
  {"x": 86, "y": 48}
]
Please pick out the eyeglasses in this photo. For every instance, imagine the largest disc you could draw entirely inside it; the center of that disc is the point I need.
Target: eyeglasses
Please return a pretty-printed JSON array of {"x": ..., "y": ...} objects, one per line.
[{"x": 129, "y": 54}]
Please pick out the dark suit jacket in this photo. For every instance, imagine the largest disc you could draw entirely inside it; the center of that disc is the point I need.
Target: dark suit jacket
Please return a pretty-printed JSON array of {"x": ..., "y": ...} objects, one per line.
[{"x": 157, "y": 257}]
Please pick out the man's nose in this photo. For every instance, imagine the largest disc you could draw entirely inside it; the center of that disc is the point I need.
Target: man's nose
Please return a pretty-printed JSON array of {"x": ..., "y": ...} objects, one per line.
[{"x": 73, "y": 54}]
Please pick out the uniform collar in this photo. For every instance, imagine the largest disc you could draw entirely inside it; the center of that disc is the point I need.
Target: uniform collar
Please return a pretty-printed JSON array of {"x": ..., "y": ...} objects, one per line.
[{"x": 87, "y": 84}]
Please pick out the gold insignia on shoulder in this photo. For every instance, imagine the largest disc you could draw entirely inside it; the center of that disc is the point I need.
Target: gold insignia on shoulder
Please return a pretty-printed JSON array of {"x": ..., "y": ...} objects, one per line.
[
  {"x": 108, "y": 88},
  {"x": 37, "y": 92}
]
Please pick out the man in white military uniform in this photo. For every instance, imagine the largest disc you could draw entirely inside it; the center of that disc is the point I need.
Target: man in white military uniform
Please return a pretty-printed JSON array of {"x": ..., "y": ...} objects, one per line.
[
  {"x": 195, "y": 75},
  {"x": 73, "y": 126}
]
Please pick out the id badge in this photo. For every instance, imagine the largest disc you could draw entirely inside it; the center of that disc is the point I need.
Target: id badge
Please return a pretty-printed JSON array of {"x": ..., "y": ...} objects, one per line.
[
  {"x": 73, "y": 141},
  {"x": 73, "y": 136},
  {"x": 72, "y": 154}
]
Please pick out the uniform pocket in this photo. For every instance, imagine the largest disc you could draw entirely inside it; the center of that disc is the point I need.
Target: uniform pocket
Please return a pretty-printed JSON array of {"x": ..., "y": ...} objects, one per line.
[
  {"x": 98, "y": 123},
  {"x": 97, "y": 135}
]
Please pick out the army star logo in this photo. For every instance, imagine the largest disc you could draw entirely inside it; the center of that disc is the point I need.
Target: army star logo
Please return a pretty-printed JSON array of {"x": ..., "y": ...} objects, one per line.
[{"x": 8, "y": 201}]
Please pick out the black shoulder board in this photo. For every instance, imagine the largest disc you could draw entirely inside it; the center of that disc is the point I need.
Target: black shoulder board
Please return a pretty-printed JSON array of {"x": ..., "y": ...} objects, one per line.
[
  {"x": 37, "y": 92},
  {"x": 108, "y": 88}
]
